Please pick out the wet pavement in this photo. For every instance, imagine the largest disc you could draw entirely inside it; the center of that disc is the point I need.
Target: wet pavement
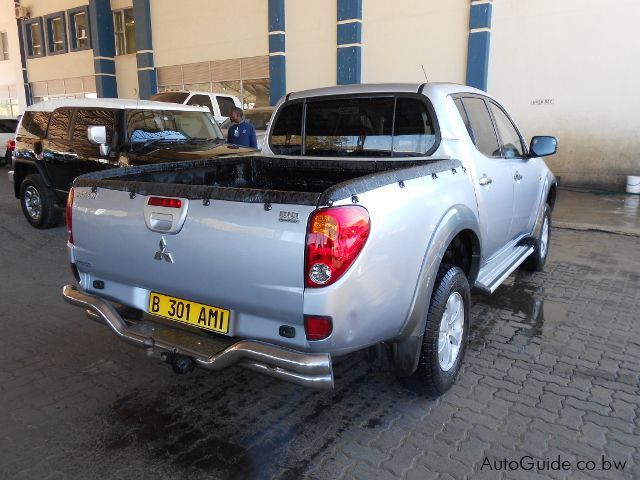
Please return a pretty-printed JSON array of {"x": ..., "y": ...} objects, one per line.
[
  {"x": 552, "y": 372},
  {"x": 582, "y": 209}
]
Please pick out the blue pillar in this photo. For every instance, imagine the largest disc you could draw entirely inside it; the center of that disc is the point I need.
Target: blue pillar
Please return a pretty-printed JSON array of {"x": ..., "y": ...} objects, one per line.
[
  {"x": 23, "y": 65},
  {"x": 147, "y": 82},
  {"x": 277, "y": 58},
  {"x": 104, "y": 48},
  {"x": 349, "y": 42},
  {"x": 479, "y": 43}
]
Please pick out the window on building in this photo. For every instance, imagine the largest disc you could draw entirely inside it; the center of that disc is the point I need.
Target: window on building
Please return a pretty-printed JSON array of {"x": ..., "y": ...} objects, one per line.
[
  {"x": 4, "y": 46},
  {"x": 9, "y": 107},
  {"x": 34, "y": 37},
  {"x": 79, "y": 28},
  {"x": 125, "y": 31},
  {"x": 56, "y": 33}
]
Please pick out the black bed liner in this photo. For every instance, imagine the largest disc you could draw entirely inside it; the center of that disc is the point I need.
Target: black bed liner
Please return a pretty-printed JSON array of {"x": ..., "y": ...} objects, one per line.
[{"x": 259, "y": 179}]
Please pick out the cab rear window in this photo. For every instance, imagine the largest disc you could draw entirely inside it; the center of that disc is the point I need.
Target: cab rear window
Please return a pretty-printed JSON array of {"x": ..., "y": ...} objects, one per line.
[{"x": 393, "y": 126}]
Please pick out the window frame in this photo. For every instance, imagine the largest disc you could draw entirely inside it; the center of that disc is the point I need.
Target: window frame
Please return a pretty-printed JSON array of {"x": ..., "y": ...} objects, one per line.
[
  {"x": 523, "y": 145},
  {"x": 121, "y": 11},
  {"x": 472, "y": 134},
  {"x": 49, "y": 32},
  {"x": 394, "y": 95},
  {"x": 4, "y": 44},
  {"x": 28, "y": 40},
  {"x": 73, "y": 39}
]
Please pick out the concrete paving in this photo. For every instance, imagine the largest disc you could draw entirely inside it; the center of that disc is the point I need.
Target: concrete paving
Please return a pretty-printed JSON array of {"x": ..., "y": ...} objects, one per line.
[{"x": 552, "y": 373}]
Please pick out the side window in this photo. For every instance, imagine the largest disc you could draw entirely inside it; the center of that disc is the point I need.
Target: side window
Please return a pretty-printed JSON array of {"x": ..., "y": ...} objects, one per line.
[
  {"x": 34, "y": 124},
  {"x": 85, "y": 118},
  {"x": 226, "y": 105},
  {"x": 7, "y": 126},
  {"x": 286, "y": 137},
  {"x": 413, "y": 132},
  {"x": 511, "y": 141},
  {"x": 465, "y": 118},
  {"x": 484, "y": 136},
  {"x": 59, "y": 125},
  {"x": 201, "y": 101}
]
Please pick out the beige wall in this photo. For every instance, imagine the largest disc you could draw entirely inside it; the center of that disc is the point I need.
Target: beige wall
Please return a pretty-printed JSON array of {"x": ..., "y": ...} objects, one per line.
[
  {"x": 127, "y": 76},
  {"x": 11, "y": 70},
  {"x": 74, "y": 64},
  {"x": 400, "y": 36},
  {"x": 201, "y": 30},
  {"x": 38, "y": 8},
  {"x": 582, "y": 54},
  {"x": 311, "y": 43}
]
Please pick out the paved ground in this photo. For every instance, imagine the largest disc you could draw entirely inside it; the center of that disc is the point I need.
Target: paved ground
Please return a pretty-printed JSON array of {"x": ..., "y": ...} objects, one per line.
[{"x": 553, "y": 370}]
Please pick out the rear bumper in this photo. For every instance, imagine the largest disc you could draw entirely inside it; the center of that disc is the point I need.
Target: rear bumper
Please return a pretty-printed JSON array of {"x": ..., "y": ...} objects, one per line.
[{"x": 307, "y": 369}]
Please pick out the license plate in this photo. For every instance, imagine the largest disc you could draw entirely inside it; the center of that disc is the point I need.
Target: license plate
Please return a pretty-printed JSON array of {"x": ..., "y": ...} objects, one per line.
[{"x": 192, "y": 313}]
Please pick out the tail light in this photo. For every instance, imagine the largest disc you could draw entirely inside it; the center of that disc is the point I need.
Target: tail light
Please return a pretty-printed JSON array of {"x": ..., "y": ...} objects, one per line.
[
  {"x": 317, "y": 328},
  {"x": 11, "y": 145},
  {"x": 69, "y": 216},
  {"x": 334, "y": 240}
]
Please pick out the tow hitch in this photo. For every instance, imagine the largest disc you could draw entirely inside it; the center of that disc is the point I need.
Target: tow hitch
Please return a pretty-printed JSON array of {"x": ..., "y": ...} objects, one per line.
[{"x": 181, "y": 364}]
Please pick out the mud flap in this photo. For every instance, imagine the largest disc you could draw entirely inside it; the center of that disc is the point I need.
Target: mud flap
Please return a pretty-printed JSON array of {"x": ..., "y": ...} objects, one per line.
[{"x": 406, "y": 355}]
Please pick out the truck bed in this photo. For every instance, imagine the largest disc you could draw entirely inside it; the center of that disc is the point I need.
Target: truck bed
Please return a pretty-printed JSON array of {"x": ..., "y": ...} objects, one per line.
[{"x": 257, "y": 179}]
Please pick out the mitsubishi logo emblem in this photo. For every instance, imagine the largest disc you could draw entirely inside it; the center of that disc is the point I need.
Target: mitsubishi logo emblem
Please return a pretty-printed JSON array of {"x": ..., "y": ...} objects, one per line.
[{"x": 162, "y": 254}]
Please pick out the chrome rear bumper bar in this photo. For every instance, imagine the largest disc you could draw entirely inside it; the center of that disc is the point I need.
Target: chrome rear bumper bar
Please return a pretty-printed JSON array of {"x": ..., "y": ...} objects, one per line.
[{"x": 307, "y": 369}]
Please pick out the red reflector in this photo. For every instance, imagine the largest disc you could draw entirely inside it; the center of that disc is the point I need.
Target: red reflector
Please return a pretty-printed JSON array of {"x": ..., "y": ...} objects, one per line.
[
  {"x": 317, "y": 328},
  {"x": 11, "y": 145},
  {"x": 69, "y": 216},
  {"x": 165, "y": 202}
]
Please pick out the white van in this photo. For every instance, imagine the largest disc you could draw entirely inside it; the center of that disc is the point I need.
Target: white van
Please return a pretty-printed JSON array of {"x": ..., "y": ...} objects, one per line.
[{"x": 220, "y": 104}]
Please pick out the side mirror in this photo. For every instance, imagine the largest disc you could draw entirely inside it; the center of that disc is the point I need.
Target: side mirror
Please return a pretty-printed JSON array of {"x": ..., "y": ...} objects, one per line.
[
  {"x": 542, "y": 146},
  {"x": 97, "y": 134}
]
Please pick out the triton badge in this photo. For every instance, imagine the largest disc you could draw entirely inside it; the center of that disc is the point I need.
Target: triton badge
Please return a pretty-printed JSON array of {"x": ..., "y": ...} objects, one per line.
[{"x": 162, "y": 253}]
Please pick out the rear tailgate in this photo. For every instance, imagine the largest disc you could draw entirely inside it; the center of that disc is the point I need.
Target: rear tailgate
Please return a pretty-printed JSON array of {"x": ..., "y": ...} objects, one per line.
[{"x": 233, "y": 255}]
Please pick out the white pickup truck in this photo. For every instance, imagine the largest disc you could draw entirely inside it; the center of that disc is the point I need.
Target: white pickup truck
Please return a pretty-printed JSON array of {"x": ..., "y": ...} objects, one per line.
[{"x": 369, "y": 215}]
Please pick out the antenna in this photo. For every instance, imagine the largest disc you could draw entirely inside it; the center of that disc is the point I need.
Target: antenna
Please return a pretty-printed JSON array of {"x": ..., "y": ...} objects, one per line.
[{"x": 425, "y": 73}]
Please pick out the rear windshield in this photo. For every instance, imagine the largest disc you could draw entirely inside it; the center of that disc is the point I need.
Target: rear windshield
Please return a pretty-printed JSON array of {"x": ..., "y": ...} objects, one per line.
[
  {"x": 173, "y": 97},
  {"x": 358, "y": 127}
]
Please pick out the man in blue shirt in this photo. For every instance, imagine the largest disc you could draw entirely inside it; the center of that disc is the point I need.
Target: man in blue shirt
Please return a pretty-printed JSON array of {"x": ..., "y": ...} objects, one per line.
[{"x": 242, "y": 133}]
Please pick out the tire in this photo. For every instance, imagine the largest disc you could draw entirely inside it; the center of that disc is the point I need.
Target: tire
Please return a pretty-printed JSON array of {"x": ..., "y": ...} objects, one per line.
[
  {"x": 440, "y": 357},
  {"x": 535, "y": 262},
  {"x": 38, "y": 202}
]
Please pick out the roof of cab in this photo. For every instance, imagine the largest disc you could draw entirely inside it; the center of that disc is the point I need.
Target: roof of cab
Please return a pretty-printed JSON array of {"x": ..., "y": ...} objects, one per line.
[
  {"x": 365, "y": 88},
  {"x": 119, "y": 103}
]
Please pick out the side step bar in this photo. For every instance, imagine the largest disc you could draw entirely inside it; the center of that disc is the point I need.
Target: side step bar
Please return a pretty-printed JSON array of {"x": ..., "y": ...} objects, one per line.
[
  {"x": 491, "y": 276},
  {"x": 307, "y": 369}
]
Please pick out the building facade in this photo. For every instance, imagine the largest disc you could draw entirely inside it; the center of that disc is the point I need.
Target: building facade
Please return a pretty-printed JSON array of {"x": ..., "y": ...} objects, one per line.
[{"x": 562, "y": 68}]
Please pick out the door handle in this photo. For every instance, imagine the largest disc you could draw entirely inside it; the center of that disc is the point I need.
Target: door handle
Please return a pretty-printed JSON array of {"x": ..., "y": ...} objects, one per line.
[
  {"x": 484, "y": 180},
  {"x": 517, "y": 177}
]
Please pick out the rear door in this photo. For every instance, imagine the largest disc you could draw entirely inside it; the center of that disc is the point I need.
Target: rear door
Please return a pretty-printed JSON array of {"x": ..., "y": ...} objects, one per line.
[
  {"x": 58, "y": 154},
  {"x": 493, "y": 180}
]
